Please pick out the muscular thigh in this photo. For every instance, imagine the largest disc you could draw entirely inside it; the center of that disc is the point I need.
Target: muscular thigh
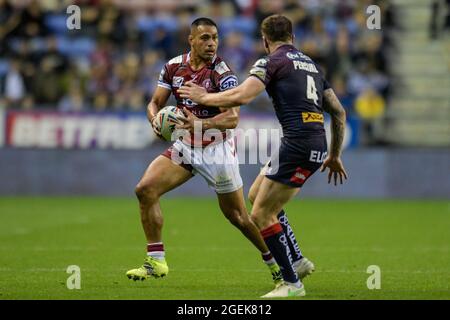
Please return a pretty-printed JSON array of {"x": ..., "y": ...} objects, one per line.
[
  {"x": 270, "y": 199},
  {"x": 254, "y": 189},
  {"x": 163, "y": 175}
]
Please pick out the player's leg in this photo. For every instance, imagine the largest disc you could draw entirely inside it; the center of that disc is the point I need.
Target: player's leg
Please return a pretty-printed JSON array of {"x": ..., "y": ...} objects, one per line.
[
  {"x": 302, "y": 265},
  {"x": 161, "y": 176},
  {"x": 282, "y": 217},
  {"x": 233, "y": 207},
  {"x": 270, "y": 199},
  {"x": 220, "y": 169}
]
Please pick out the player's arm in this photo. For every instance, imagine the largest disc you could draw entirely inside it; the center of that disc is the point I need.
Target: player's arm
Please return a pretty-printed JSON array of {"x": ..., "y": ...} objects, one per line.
[
  {"x": 332, "y": 106},
  {"x": 227, "y": 119},
  {"x": 242, "y": 94},
  {"x": 158, "y": 101}
]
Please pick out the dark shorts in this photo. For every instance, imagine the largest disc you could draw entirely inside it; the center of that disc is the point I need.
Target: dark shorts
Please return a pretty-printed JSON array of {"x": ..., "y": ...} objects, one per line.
[{"x": 297, "y": 159}]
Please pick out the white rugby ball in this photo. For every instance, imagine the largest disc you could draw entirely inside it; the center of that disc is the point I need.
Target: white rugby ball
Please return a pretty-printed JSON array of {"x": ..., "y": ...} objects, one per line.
[{"x": 166, "y": 119}]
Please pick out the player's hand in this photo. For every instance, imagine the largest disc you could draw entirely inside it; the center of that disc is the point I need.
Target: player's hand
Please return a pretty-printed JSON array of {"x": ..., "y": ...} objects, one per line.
[
  {"x": 336, "y": 168},
  {"x": 192, "y": 91},
  {"x": 188, "y": 122},
  {"x": 155, "y": 128}
]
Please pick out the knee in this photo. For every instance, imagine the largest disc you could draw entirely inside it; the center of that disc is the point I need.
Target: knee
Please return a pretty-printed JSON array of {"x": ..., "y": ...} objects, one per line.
[
  {"x": 257, "y": 220},
  {"x": 261, "y": 219},
  {"x": 146, "y": 192}
]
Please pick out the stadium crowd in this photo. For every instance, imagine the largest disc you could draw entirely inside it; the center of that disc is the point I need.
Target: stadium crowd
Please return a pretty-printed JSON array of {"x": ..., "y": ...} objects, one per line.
[{"x": 113, "y": 61}]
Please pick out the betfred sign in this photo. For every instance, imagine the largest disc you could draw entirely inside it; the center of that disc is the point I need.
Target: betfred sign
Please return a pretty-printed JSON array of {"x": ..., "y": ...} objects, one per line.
[
  {"x": 62, "y": 130},
  {"x": 44, "y": 129}
]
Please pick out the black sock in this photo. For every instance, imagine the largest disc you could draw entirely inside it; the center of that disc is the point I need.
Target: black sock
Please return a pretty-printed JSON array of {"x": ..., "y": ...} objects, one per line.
[
  {"x": 277, "y": 243},
  {"x": 290, "y": 236}
]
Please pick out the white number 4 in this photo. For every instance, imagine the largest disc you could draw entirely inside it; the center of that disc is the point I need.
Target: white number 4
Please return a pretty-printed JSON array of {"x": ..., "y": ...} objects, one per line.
[{"x": 311, "y": 91}]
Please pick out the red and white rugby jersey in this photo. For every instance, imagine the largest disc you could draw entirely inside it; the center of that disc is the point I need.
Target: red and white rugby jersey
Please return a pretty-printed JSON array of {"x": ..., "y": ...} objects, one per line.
[{"x": 216, "y": 76}]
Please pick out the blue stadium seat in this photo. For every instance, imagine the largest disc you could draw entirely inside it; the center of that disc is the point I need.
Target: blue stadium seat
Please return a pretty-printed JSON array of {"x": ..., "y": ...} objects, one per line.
[
  {"x": 77, "y": 46},
  {"x": 243, "y": 25},
  {"x": 56, "y": 23},
  {"x": 149, "y": 24}
]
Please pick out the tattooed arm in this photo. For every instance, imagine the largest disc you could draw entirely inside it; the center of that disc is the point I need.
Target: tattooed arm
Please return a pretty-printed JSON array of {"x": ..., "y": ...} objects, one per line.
[{"x": 332, "y": 106}]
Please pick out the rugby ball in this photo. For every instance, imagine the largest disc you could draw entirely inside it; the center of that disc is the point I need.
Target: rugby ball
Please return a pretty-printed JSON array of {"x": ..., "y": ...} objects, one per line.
[{"x": 166, "y": 119}]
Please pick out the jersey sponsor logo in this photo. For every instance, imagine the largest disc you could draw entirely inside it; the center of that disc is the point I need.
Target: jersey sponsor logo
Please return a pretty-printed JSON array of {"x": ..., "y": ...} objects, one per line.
[
  {"x": 317, "y": 156},
  {"x": 292, "y": 56},
  {"x": 297, "y": 55},
  {"x": 188, "y": 102},
  {"x": 177, "y": 82},
  {"x": 312, "y": 117},
  {"x": 228, "y": 83},
  {"x": 300, "y": 175},
  {"x": 221, "y": 68}
]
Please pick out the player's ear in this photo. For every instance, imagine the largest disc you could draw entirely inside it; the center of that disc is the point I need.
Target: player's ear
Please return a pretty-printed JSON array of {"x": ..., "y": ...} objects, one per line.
[
  {"x": 190, "y": 39},
  {"x": 266, "y": 44}
]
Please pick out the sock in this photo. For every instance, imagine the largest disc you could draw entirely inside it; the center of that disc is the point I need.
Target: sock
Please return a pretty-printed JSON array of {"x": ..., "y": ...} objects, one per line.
[
  {"x": 275, "y": 239},
  {"x": 268, "y": 258},
  {"x": 156, "y": 250},
  {"x": 290, "y": 236}
]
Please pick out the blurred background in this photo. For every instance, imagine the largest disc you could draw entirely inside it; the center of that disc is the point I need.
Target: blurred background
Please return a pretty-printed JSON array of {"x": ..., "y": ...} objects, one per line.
[{"x": 72, "y": 102}]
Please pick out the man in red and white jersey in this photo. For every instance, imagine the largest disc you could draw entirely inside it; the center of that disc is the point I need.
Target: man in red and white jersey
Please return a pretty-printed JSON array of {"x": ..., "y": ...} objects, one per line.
[{"x": 174, "y": 167}]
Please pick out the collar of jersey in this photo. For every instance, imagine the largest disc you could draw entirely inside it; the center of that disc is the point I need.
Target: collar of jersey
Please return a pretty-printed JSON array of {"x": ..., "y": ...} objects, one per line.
[
  {"x": 188, "y": 58},
  {"x": 284, "y": 45}
]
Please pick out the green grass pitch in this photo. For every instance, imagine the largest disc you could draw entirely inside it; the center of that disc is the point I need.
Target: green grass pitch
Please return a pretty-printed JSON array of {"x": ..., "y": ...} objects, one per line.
[{"x": 210, "y": 259}]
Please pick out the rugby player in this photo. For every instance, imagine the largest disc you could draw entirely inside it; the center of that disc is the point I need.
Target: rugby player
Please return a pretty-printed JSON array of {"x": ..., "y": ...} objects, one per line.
[
  {"x": 300, "y": 95},
  {"x": 166, "y": 172}
]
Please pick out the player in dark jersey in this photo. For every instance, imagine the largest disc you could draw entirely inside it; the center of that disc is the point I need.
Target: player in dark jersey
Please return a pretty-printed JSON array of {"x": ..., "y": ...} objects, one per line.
[
  {"x": 164, "y": 173},
  {"x": 300, "y": 95}
]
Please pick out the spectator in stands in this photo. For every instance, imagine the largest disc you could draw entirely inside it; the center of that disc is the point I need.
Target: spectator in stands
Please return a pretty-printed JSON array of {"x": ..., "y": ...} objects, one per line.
[
  {"x": 14, "y": 85},
  {"x": 110, "y": 63}
]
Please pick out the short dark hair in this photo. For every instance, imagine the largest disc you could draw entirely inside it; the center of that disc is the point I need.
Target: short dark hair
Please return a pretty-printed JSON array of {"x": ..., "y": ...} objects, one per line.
[
  {"x": 277, "y": 28},
  {"x": 203, "y": 21}
]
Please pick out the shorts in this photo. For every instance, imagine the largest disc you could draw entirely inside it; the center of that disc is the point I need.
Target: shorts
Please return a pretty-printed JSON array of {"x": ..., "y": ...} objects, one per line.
[
  {"x": 217, "y": 163},
  {"x": 296, "y": 160}
]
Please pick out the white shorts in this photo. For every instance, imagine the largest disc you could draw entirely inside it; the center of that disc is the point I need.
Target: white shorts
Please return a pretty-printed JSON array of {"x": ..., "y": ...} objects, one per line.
[{"x": 217, "y": 163}]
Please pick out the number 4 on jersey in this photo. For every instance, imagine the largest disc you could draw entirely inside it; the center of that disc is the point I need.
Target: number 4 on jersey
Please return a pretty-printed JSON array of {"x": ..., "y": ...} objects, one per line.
[{"x": 311, "y": 91}]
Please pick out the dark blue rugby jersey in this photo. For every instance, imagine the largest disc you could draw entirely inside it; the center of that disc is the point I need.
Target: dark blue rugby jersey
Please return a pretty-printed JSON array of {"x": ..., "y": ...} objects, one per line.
[{"x": 296, "y": 85}]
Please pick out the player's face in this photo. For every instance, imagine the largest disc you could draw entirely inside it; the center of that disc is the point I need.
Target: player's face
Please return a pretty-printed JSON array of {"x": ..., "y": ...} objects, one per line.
[{"x": 204, "y": 41}]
